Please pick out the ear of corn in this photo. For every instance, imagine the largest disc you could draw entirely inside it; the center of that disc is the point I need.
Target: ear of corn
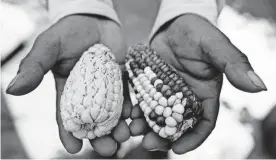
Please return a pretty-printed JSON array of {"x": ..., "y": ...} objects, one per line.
[
  {"x": 169, "y": 105},
  {"x": 91, "y": 103}
]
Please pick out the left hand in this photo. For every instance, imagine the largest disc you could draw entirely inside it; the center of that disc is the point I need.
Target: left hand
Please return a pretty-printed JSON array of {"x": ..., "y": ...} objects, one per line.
[
  {"x": 201, "y": 53},
  {"x": 58, "y": 49}
]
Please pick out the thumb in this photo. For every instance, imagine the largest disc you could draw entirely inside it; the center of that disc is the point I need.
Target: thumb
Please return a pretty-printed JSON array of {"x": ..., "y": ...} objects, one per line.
[
  {"x": 32, "y": 68},
  {"x": 229, "y": 59}
]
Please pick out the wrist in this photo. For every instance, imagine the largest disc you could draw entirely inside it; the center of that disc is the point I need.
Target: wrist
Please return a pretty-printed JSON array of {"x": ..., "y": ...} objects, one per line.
[
  {"x": 169, "y": 11},
  {"x": 61, "y": 9}
]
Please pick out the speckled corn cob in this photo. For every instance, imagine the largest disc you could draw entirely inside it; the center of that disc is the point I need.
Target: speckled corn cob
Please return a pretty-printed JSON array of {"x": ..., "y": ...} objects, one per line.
[
  {"x": 169, "y": 105},
  {"x": 91, "y": 103}
]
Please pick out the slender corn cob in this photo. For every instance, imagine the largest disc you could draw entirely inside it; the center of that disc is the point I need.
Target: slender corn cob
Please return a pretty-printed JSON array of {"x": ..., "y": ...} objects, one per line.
[
  {"x": 169, "y": 105},
  {"x": 91, "y": 103}
]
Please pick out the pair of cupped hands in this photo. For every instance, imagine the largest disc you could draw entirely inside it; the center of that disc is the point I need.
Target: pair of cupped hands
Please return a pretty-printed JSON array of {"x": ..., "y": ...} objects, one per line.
[{"x": 197, "y": 49}]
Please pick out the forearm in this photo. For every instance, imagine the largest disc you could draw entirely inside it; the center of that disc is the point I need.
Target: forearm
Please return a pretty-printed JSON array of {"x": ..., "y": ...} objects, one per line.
[
  {"x": 169, "y": 9},
  {"x": 62, "y": 8}
]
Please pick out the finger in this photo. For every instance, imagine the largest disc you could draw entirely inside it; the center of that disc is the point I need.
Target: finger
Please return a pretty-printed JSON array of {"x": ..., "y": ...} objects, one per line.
[
  {"x": 153, "y": 142},
  {"x": 138, "y": 127},
  {"x": 191, "y": 140},
  {"x": 33, "y": 67},
  {"x": 136, "y": 112},
  {"x": 70, "y": 143},
  {"x": 105, "y": 146},
  {"x": 217, "y": 49},
  {"x": 121, "y": 132},
  {"x": 127, "y": 105},
  {"x": 229, "y": 59}
]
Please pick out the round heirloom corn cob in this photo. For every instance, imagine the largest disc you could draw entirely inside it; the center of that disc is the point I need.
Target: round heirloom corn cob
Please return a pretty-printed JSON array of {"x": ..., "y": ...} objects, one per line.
[
  {"x": 91, "y": 102},
  {"x": 169, "y": 105}
]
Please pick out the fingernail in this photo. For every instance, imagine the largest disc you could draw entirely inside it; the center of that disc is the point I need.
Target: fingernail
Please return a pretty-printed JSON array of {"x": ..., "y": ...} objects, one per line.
[
  {"x": 256, "y": 80},
  {"x": 152, "y": 150},
  {"x": 11, "y": 84}
]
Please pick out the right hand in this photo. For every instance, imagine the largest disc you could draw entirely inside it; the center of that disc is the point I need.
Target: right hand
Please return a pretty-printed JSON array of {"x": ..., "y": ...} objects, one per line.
[
  {"x": 58, "y": 49},
  {"x": 201, "y": 54}
]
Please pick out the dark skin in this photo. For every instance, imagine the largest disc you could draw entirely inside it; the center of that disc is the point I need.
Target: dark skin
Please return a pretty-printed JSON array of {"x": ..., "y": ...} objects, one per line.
[
  {"x": 199, "y": 51},
  {"x": 201, "y": 54},
  {"x": 58, "y": 49}
]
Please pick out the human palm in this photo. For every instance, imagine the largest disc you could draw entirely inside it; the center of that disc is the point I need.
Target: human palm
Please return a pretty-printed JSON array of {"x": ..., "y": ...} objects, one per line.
[
  {"x": 201, "y": 54},
  {"x": 58, "y": 49}
]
